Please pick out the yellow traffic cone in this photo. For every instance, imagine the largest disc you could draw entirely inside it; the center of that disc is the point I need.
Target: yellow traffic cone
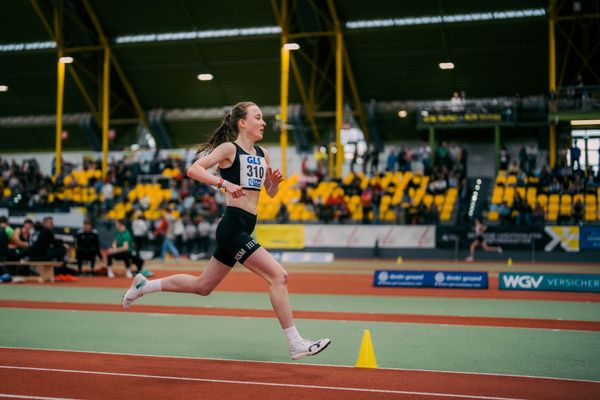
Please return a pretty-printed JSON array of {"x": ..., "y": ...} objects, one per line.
[
  {"x": 509, "y": 262},
  {"x": 399, "y": 260},
  {"x": 366, "y": 355}
]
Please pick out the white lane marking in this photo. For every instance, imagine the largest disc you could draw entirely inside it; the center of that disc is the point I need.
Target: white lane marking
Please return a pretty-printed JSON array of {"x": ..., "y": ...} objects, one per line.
[
  {"x": 306, "y": 364},
  {"x": 21, "y": 396},
  {"x": 255, "y": 383}
]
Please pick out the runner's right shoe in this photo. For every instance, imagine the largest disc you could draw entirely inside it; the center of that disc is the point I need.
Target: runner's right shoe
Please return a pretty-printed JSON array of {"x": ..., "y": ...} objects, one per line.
[{"x": 135, "y": 291}]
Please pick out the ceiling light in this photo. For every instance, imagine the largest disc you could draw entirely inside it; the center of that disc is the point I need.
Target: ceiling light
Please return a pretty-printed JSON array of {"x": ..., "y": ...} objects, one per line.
[
  {"x": 291, "y": 46},
  {"x": 579, "y": 122},
  {"x": 66, "y": 60},
  {"x": 402, "y": 113},
  {"x": 446, "y": 65},
  {"x": 3, "y": 88},
  {"x": 205, "y": 77}
]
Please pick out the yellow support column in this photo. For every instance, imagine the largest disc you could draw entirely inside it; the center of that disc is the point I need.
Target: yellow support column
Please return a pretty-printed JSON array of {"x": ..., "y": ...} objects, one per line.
[
  {"x": 105, "y": 110},
  {"x": 285, "y": 68},
  {"x": 339, "y": 98},
  {"x": 60, "y": 89},
  {"x": 552, "y": 81}
]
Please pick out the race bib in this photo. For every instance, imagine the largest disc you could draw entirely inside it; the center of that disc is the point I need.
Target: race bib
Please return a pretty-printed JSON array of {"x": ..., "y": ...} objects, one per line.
[{"x": 252, "y": 171}]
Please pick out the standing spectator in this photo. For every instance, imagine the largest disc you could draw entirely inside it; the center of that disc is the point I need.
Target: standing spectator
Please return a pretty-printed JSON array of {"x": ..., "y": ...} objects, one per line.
[
  {"x": 204, "y": 230},
  {"x": 523, "y": 158},
  {"x": 366, "y": 199},
  {"x": 391, "y": 161},
  {"x": 121, "y": 249},
  {"x": 107, "y": 192},
  {"x": 504, "y": 158},
  {"x": 168, "y": 244},
  {"x": 374, "y": 159},
  {"x": 575, "y": 156},
  {"x": 140, "y": 228},
  {"x": 87, "y": 246},
  {"x": 190, "y": 237},
  {"x": 179, "y": 231}
]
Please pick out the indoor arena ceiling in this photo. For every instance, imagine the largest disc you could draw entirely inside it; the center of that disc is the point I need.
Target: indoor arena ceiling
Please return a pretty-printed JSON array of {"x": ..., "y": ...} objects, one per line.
[{"x": 393, "y": 56}]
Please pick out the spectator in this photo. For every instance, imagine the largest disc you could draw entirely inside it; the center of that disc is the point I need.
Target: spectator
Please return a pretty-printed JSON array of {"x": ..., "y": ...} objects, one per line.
[
  {"x": 577, "y": 213},
  {"x": 190, "y": 236},
  {"x": 121, "y": 249},
  {"x": 140, "y": 230},
  {"x": 168, "y": 244},
  {"x": 204, "y": 240},
  {"x": 283, "y": 216},
  {"x": 87, "y": 246},
  {"x": 575, "y": 156},
  {"x": 504, "y": 158},
  {"x": 45, "y": 247}
]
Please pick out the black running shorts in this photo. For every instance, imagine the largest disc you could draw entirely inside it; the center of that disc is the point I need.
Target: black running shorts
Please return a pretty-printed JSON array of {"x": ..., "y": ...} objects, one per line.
[{"x": 234, "y": 243}]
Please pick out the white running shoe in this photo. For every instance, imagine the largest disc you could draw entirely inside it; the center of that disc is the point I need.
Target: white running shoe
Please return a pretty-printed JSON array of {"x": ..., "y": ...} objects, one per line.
[
  {"x": 469, "y": 259},
  {"x": 128, "y": 274},
  {"x": 110, "y": 273},
  {"x": 309, "y": 348},
  {"x": 135, "y": 291},
  {"x": 499, "y": 250}
]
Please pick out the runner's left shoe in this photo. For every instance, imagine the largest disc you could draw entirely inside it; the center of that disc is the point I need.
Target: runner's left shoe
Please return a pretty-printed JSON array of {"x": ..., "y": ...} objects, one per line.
[
  {"x": 309, "y": 348},
  {"x": 135, "y": 291}
]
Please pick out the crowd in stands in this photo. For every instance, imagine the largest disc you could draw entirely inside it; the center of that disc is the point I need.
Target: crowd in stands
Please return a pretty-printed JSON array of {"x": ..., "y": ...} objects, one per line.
[{"x": 524, "y": 195}]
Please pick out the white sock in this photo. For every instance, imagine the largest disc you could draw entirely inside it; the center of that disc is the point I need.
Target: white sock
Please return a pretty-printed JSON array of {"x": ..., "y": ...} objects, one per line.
[
  {"x": 293, "y": 337},
  {"x": 152, "y": 286}
]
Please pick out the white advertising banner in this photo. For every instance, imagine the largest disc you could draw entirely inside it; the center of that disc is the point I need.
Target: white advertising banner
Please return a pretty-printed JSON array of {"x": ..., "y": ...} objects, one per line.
[{"x": 361, "y": 236}]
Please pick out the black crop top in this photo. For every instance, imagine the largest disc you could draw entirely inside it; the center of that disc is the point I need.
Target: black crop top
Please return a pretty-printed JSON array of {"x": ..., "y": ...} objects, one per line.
[{"x": 248, "y": 171}]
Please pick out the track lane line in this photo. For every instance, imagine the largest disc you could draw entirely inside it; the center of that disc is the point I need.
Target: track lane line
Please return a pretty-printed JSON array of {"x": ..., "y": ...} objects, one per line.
[
  {"x": 303, "y": 364},
  {"x": 255, "y": 383}
]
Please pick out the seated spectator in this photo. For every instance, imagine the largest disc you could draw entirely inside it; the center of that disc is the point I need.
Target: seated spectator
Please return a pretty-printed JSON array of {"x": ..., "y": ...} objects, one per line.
[
  {"x": 577, "y": 213},
  {"x": 121, "y": 249},
  {"x": 538, "y": 215},
  {"x": 87, "y": 246},
  {"x": 18, "y": 246},
  {"x": 283, "y": 216},
  {"x": 505, "y": 214},
  {"x": 45, "y": 246}
]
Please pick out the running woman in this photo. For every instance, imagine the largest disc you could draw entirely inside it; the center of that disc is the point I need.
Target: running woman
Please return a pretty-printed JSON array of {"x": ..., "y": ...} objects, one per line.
[
  {"x": 480, "y": 240},
  {"x": 244, "y": 169}
]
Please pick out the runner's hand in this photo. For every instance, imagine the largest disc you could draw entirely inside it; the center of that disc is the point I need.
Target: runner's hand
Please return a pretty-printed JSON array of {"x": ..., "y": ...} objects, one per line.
[
  {"x": 234, "y": 190},
  {"x": 274, "y": 176}
]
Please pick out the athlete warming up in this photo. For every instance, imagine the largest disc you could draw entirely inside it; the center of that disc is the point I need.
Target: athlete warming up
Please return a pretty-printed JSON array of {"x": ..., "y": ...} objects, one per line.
[{"x": 245, "y": 168}]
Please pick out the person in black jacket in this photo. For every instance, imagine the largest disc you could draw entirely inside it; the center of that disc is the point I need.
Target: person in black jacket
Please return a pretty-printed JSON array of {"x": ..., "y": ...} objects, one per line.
[
  {"x": 45, "y": 246},
  {"x": 87, "y": 246}
]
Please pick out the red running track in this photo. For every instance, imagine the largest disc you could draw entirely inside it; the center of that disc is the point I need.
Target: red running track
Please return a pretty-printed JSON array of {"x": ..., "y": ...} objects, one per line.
[
  {"x": 78, "y": 375},
  {"x": 323, "y": 315}
]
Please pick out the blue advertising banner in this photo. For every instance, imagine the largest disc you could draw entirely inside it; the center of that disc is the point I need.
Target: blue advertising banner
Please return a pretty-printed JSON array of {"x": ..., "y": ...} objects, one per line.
[
  {"x": 434, "y": 279},
  {"x": 555, "y": 282},
  {"x": 589, "y": 237}
]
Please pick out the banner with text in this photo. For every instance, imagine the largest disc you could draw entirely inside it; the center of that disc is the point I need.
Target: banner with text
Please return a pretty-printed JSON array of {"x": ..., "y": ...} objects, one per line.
[
  {"x": 554, "y": 282},
  {"x": 432, "y": 279},
  {"x": 589, "y": 237},
  {"x": 361, "y": 236},
  {"x": 280, "y": 236}
]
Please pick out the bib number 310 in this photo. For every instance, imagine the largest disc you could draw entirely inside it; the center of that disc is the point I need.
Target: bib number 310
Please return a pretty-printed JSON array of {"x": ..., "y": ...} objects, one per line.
[{"x": 253, "y": 171}]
